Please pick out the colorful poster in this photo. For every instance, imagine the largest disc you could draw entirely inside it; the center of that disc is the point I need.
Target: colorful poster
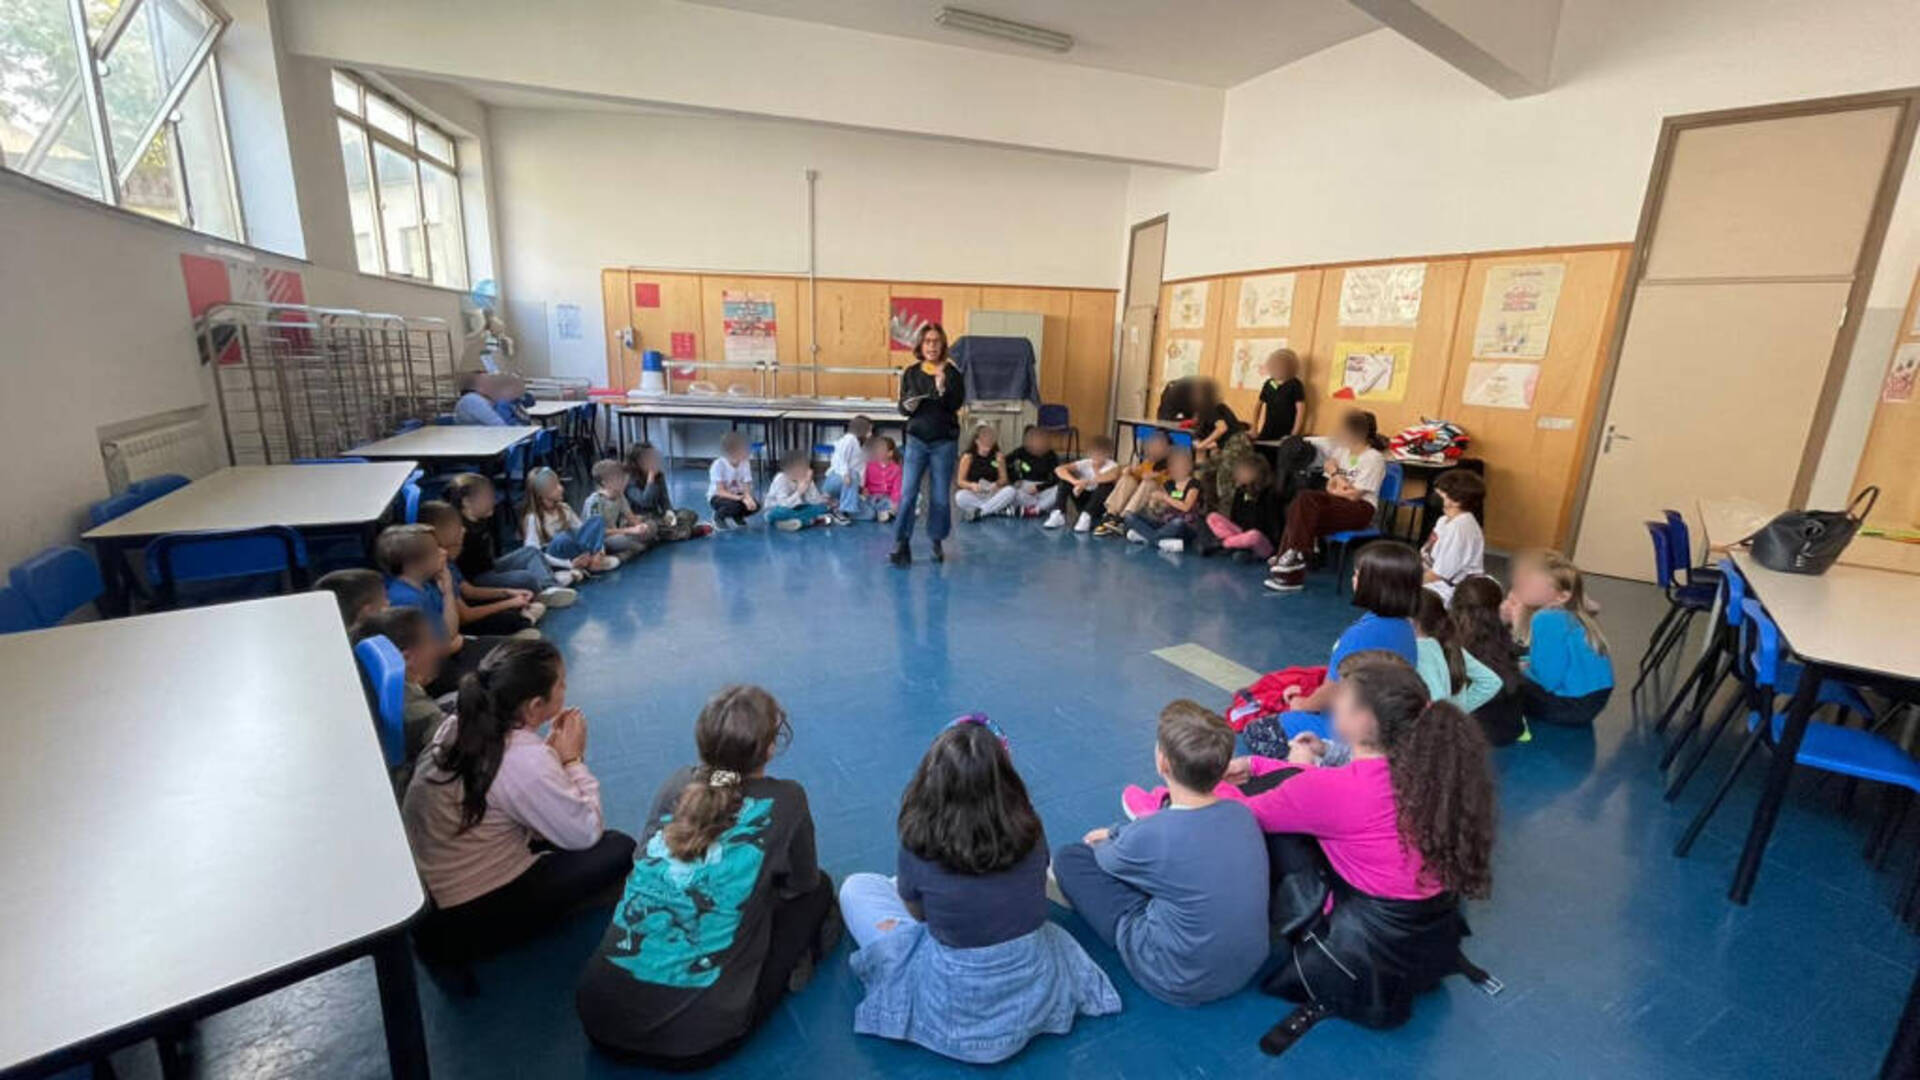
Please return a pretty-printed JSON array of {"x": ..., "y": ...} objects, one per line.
[
  {"x": 1497, "y": 385},
  {"x": 682, "y": 346},
  {"x": 1266, "y": 301},
  {"x": 1181, "y": 359},
  {"x": 747, "y": 328},
  {"x": 1250, "y": 360},
  {"x": 1516, "y": 310},
  {"x": 1382, "y": 295},
  {"x": 1901, "y": 374},
  {"x": 909, "y": 316},
  {"x": 213, "y": 281},
  {"x": 646, "y": 294},
  {"x": 1188, "y": 309},
  {"x": 1370, "y": 370}
]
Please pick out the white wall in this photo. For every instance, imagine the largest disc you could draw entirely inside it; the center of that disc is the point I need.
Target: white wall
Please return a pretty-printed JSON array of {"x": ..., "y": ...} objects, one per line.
[
  {"x": 579, "y": 191},
  {"x": 1374, "y": 148}
]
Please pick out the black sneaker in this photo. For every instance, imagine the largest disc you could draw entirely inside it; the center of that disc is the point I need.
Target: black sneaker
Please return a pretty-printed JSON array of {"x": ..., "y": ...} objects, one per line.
[
  {"x": 939, "y": 554},
  {"x": 1287, "y": 1032},
  {"x": 902, "y": 556}
]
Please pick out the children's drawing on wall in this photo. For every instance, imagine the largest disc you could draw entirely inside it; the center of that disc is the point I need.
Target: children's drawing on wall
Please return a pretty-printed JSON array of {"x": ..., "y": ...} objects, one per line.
[
  {"x": 908, "y": 315},
  {"x": 1370, "y": 371},
  {"x": 1266, "y": 301},
  {"x": 1180, "y": 359},
  {"x": 1901, "y": 374},
  {"x": 1250, "y": 360},
  {"x": 1188, "y": 309},
  {"x": 1516, "y": 310},
  {"x": 748, "y": 328},
  {"x": 1496, "y": 385},
  {"x": 1382, "y": 295}
]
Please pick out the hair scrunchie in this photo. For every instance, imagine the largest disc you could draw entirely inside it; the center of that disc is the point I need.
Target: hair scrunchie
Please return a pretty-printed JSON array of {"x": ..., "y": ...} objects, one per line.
[{"x": 723, "y": 778}]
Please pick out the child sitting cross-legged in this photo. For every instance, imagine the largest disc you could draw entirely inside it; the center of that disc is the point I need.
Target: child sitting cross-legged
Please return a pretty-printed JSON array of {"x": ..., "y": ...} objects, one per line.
[
  {"x": 847, "y": 469},
  {"x": 1086, "y": 486},
  {"x": 980, "y": 484},
  {"x": 1457, "y": 550},
  {"x": 652, "y": 503},
  {"x": 1475, "y": 614},
  {"x": 730, "y": 483},
  {"x": 483, "y": 609},
  {"x": 1452, "y": 674},
  {"x": 552, "y": 526},
  {"x": 627, "y": 533},
  {"x": 955, "y": 950},
  {"x": 1031, "y": 470},
  {"x": 1182, "y": 895},
  {"x": 1252, "y": 519},
  {"x": 1134, "y": 483},
  {"x": 794, "y": 501},
  {"x": 1172, "y": 508},
  {"x": 418, "y": 577},
  {"x": 483, "y": 564},
  {"x": 880, "y": 493}
]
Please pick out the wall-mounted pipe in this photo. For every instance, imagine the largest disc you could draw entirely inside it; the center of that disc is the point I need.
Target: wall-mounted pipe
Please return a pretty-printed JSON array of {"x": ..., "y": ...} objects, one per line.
[{"x": 813, "y": 309}]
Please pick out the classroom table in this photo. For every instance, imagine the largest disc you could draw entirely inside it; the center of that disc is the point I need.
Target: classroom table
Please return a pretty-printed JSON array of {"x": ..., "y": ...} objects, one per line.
[
  {"x": 1132, "y": 425},
  {"x": 199, "y": 814},
  {"x": 810, "y": 417},
  {"x": 548, "y": 413},
  {"x": 668, "y": 410},
  {"x": 443, "y": 443},
  {"x": 1726, "y": 522},
  {"x": 345, "y": 497},
  {"x": 1853, "y": 622}
]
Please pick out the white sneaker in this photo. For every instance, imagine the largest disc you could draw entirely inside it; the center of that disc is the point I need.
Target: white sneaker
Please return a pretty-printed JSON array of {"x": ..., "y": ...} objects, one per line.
[
  {"x": 1291, "y": 583},
  {"x": 885, "y": 516},
  {"x": 1084, "y": 525},
  {"x": 604, "y": 562},
  {"x": 534, "y": 612},
  {"x": 1134, "y": 537},
  {"x": 1054, "y": 520},
  {"x": 788, "y": 524},
  {"x": 564, "y": 578},
  {"x": 1290, "y": 560},
  {"x": 558, "y": 597},
  {"x": 1174, "y": 545},
  {"x": 528, "y": 634}
]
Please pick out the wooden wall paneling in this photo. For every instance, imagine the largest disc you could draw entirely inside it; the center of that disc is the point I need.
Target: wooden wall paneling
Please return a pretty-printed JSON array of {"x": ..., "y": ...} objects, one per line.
[
  {"x": 616, "y": 306},
  {"x": 853, "y": 333},
  {"x": 786, "y": 315},
  {"x": 1298, "y": 334},
  {"x": 1431, "y": 338},
  {"x": 654, "y": 327},
  {"x": 1531, "y": 470},
  {"x": 1055, "y": 306},
  {"x": 1891, "y": 457},
  {"x": 1091, "y": 319}
]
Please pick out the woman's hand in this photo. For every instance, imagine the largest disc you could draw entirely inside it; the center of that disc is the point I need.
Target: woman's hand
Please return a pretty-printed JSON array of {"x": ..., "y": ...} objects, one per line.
[
  {"x": 568, "y": 737},
  {"x": 940, "y": 380},
  {"x": 1239, "y": 771}
]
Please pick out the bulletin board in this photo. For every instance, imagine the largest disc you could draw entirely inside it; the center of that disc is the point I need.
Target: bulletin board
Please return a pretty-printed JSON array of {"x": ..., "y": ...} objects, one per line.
[{"x": 1891, "y": 458}]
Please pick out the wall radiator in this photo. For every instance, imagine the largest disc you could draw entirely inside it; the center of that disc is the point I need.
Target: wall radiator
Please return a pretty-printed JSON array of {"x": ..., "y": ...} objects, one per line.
[{"x": 184, "y": 447}]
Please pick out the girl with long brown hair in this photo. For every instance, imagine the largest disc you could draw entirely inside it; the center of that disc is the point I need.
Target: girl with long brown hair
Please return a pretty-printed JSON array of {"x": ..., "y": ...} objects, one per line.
[{"x": 726, "y": 908}]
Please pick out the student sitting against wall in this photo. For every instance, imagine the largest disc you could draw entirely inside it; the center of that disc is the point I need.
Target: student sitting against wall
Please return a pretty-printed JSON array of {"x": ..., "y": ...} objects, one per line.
[
  {"x": 1134, "y": 484},
  {"x": 1356, "y": 467},
  {"x": 647, "y": 494},
  {"x": 1569, "y": 675},
  {"x": 1172, "y": 509},
  {"x": 423, "y": 652},
  {"x": 480, "y": 560},
  {"x": 628, "y": 535},
  {"x": 1252, "y": 519},
  {"x": 505, "y": 824},
  {"x": 418, "y": 577},
  {"x": 482, "y": 609},
  {"x": 955, "y": 950},
  {"x": 725, "y": 910},
  {"x": 980, "y": 483},
  {"x": 1030, "y": 470},
  {"x": 1087, "y": 485},
  {"x": 552, "y": 526},
  {"x": 481, "y": 393}
]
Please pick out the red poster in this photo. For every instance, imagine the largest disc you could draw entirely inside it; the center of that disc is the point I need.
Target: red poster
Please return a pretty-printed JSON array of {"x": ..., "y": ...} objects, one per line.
[
  {"x": 646, "y": 294},
  {"x": 910, "y": 315},
  {"x": 213, "y": 281},
  {"x": 683, "y": 345}
]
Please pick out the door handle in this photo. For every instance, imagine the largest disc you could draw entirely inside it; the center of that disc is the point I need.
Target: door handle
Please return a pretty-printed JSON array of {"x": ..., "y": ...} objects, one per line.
[{"x": 1607, "y": 447}]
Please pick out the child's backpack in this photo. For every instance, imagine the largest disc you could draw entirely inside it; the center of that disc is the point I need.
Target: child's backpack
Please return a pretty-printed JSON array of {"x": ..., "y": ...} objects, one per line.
[
  {"x": 1268, "y": 694},
  {"x": 1430, "y": 439}
]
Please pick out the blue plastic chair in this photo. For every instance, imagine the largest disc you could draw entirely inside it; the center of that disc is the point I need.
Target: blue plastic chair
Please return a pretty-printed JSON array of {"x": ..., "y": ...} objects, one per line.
[
  {"x": 16, "y": 614},
  {"x": 114, "y": 506},
  {"x": 410, "y": 502},
  {"x": 1057, "y": 419},
  {"x": 235, "y": 557},
  {"x": 385, "y": 672},
  {"x": 155, "y": 486},
  {"x": 1343, "y": 542},
  {"x": 446, "y": 420},
  {"x": 409, "y": 424},
  {"x": 1680, "y": 544},
  {"x": 1684, "y": 601},
  {"x": 57, "y": 582},
  {"x": 330, "y": 461}
]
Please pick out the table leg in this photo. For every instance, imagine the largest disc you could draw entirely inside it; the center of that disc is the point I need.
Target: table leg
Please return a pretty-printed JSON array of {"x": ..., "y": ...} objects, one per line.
[
  {"x": 116, "y": 597},
  {"x": 1903, "y": 1052},
  {"x": 1779, "y": 772},
  {"x": 1709, "y": 656},
  {"x": 400, "y": 1008}
]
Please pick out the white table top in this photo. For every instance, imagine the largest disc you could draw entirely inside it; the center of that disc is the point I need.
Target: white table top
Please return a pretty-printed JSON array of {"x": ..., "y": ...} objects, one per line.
[
  {"x": 715, "y": 409},
  {"x": 541, "y": 410},
  {"x": 447, "y": 441},
  {"x": 1851, "y": 616},
  {"x": 252, "y": 496},
  {"x": 215, "y": 810},
  {"x": 1726, "y": 522}
]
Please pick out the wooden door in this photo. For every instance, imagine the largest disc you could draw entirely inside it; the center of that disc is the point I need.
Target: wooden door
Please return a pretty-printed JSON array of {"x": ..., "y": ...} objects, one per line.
[
  {"x": 1758, "y": 243},
  {"x": 1146, "y": 255}
]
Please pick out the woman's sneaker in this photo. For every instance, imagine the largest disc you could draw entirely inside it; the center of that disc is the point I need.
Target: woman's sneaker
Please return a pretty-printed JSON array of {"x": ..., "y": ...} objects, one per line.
[
  {"x": 558, "y": 597},
  {"x": 1054, "y": 520}
]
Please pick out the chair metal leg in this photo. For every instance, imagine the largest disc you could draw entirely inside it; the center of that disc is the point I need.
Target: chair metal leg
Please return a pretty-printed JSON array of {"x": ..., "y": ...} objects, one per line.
[
  {"x": 1709, "y": 668},
  {"x": 1720, "y": 793},
  {"x": 1893, "y": 818},
  {"x": 1675, "y": 636},
  {"x": 1909, "y": 905},
  {"x": 1659, "y": 631},
  {"x": 1720, "y": 723}
]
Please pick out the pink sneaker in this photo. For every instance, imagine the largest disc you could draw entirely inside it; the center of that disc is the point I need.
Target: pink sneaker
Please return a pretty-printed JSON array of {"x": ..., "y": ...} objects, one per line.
[{"x": 1137, "y": 802}]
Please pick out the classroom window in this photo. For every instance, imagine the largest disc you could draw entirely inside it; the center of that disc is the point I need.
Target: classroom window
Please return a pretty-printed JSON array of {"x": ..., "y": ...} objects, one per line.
[
  {"x": 119, "y": 100},
  {"x": 403, "y": 187}
]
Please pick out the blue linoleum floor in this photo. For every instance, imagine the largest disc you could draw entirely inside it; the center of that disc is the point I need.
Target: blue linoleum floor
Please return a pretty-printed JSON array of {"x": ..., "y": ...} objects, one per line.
[{"x": 1619, "y": 960}]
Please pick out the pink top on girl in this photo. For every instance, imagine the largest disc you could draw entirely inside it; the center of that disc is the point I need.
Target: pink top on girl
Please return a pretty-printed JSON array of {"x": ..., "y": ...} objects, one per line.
[
  {"x": 1350, "y": 810},
  {"x": 883, "y": 479}
]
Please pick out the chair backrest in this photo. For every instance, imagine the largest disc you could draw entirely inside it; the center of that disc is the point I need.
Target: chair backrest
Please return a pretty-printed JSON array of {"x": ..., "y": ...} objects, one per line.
[
  {"x": 1390, "y": 485},
  {"x": 1734, "y": 585},
  {"x": 215, "y": 556},
  {"x": 410, "y": 502},
  {"x": 385, "y": 671},
  {"x": 1760, "y": 640},
  {"x": 1054, "y": 415},
  {"x": 1662, "y": 555},
  {"x": 409, "y": 424},
  {"x": 446, "y": 420},
  {"x": 15, "y": 613},
  {"x": 114, "y": 506},
  {"x": 543, "y": 442},
  {"x": 330, "y": 461},
  {"x": 155, "y": 486},
  {"x": 1679, "y": 539},
  {"x": 57, "y": 582}
]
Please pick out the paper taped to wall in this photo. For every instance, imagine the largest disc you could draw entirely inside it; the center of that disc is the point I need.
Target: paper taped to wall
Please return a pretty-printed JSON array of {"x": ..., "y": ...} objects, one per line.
[{"x": 1516, "y": 310}]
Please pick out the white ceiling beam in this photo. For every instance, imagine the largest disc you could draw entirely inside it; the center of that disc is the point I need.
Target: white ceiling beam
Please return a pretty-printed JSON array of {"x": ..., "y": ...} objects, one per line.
[{"x": 1507, "y": 45}]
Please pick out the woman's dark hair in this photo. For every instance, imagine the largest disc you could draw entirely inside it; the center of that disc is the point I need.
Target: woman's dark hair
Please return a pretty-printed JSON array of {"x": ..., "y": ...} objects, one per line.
[
  {"x": 966, "y": 807},
  {"x": 920, "y": 342},
  {"x": 1437, "y": 758},
  {"x": 1362, "y": 425},
  {"x": 490, "y": 700},
  {"x": 1475, "y": 613},
  {"x": 737, "y": 733},
  {"x": 1387, "y": 579},
  {"x": 1430, "y": 616}
]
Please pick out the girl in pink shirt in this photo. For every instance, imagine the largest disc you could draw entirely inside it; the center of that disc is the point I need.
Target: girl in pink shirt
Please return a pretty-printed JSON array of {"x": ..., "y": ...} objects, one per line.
[{"x": 882, "y": 484}]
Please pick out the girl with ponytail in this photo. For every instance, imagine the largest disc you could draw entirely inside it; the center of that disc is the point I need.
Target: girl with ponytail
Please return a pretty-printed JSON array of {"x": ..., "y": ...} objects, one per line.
[
  {"x": 1356, "y": 466},
  {"x": 505, "y": 824},
  {"x": 725, "y": 909}
]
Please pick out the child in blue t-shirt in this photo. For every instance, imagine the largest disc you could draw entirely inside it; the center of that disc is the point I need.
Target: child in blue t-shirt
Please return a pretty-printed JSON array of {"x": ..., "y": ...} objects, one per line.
[
  {"x": 417, "y": 575},
  {"x": 1568, "y": 674},
  {"x": 1386, "y": 582}
]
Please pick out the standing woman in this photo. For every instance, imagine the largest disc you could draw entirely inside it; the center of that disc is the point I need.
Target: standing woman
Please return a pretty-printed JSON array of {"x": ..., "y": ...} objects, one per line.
[{"x": 931, "y": 394}]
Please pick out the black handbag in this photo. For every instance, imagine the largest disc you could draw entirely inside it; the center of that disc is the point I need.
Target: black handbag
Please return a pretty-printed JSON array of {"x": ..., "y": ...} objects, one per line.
[{"x": 1809, "y": 541}]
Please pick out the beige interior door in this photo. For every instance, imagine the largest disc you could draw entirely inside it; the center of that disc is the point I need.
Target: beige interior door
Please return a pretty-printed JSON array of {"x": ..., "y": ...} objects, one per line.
[
  {"x": 1740, "y": 301},
  {"x": 1146, "y": 254}
]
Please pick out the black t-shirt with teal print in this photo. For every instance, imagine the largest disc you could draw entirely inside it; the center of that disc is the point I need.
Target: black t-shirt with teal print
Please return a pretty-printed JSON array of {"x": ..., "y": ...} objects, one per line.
[
  {"x": 1283, "y": 401},
  {"x": 1037, "y": 469},
  {"x": 675, "y": 973}
]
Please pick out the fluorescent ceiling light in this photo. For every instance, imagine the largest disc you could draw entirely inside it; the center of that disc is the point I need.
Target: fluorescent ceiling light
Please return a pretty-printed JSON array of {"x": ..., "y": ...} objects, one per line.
[{"x": 1005, "y": 29}]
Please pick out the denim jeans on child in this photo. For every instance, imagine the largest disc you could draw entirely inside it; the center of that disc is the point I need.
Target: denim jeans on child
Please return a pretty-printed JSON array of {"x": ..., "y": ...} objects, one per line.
[
  {"x": 521, "y": 568},
  {"x": 805, "y": 513},
  {"x": 589, "y": 539}
]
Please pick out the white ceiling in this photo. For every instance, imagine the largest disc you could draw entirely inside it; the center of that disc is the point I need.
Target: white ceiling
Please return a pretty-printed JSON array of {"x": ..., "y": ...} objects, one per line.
[{"x": 1204, "y": 42}]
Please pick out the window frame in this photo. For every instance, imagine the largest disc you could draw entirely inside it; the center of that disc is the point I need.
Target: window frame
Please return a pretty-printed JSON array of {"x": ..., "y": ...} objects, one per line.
[
  {"x": 410, "y": 148},
  {"x": 86, "y": 93}
]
